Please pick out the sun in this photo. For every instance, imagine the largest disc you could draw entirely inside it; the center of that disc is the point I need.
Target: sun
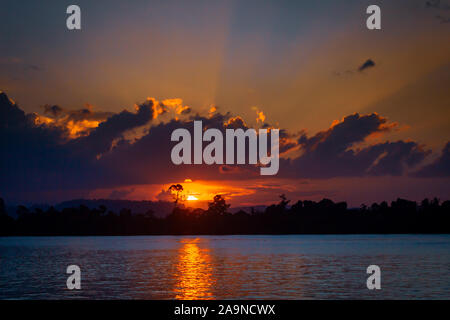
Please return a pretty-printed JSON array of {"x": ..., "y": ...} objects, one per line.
[{"x": 192, "y": 198}]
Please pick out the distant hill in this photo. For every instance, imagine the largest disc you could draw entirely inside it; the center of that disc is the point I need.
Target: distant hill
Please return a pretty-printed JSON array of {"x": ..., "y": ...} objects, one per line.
[{"x": 160, "y": 208}]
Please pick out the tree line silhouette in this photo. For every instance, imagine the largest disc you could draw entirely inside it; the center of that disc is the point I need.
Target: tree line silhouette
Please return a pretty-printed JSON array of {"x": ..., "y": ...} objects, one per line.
[{"x": 302, "y": 217}]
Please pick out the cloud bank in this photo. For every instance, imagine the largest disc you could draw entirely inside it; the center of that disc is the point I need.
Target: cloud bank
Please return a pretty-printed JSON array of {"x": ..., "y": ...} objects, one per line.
[{"x": 131, "y": 148}]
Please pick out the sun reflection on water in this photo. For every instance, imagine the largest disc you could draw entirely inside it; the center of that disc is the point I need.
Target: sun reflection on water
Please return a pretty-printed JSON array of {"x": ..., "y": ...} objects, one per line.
[{"x": 194, "y": 272}]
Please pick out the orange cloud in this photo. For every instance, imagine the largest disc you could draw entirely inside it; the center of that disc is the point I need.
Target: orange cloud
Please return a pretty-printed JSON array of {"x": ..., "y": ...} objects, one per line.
[
  {"x": 173, "y": 107},
  {"x": 235, "y": 122},
  {"x": 211, "y": 111},
  {"x": 260, "y": 116},
  {"x": 74, "y": 128}
]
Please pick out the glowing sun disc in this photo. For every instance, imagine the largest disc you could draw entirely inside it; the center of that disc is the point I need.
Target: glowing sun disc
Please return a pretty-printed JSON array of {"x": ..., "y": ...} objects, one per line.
[{"x": 192, "y": 198}]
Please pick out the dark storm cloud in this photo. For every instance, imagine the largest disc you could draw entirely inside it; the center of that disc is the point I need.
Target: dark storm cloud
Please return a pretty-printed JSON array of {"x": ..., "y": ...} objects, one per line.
[
  {"x": 437, "y": 4},
  {"x": 81, "y": 114},
  {"x": 40, "y": 158},
  {"x": 440, "y": 167},
  {"x": 32, "y": 156},
  {"x": 369, "y": 63},
  {"x": 54, "y": 110},
  {"x": 148, "y": 160},
  {"x": 100, "y": 139},
  {"x": 86, "y": 113},
  {"x": 335, "y": 152},
  {"x": 366, "y": 65}
]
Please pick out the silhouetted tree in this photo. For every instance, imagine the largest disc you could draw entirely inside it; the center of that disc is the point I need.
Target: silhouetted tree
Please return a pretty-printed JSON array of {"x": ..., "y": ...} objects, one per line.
[
  {"x": 6, "y": 222},
  {"x": 325, "y": 216},
  {"x": 218, "y": 207},
  {"x": 298, "y": 206},
  {"x": 176, "y": 189},
  {"x": 102, "y": 209},
  {"x": 284, "y": 201},
  {"x": 279, "y": 208},
  {"x": 2, "y": 207},
  {"x": 149, "y": 214},
  {"x": 22, "y": 211}
]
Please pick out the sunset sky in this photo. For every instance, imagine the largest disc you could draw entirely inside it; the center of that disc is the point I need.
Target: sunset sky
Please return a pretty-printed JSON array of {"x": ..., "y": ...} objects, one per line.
[{"x": 364, "y": 114}]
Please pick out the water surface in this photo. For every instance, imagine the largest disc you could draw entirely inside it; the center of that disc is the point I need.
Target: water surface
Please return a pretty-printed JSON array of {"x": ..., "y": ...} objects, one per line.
[{"x": 226, "y": 267}]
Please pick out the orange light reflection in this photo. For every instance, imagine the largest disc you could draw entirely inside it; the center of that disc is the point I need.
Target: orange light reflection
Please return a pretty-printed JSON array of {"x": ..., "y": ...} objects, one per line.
[{"x": 194, "y": 272}]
